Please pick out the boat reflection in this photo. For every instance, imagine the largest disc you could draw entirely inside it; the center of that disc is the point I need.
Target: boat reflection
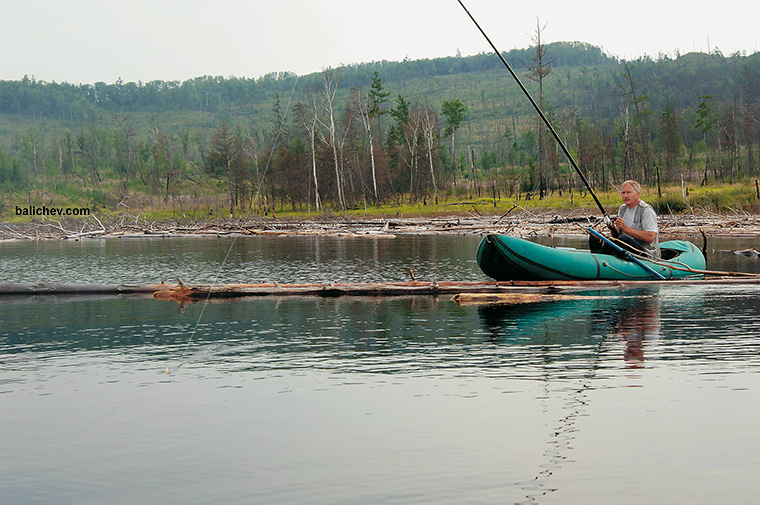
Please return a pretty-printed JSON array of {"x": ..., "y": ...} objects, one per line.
[
  {"x": 633, "y": 316},
  {"x": 611, "y": 320}
]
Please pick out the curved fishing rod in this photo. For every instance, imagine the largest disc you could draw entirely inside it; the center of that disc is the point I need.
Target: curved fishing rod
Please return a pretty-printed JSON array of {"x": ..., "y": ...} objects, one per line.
[{"x": 543, "y": 117}]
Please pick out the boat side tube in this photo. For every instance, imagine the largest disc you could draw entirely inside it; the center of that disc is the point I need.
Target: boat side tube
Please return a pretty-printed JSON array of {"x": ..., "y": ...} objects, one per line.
[{"x": 631, "y": 257}]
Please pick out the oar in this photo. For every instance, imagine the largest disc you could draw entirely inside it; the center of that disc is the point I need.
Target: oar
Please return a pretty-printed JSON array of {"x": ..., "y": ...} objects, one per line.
[
  {"x": 682, "y": 267},
  {"x": 686, "y": 268},
  {"x": 627, "y": 254},
  {"x": 554, "y": 133}
]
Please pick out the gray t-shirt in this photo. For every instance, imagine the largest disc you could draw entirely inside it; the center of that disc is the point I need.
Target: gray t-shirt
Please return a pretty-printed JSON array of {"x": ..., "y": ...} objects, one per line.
[{"x": 644, "y": 218}]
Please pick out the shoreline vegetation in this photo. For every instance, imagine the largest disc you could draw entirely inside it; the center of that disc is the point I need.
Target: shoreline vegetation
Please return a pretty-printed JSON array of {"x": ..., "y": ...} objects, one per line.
[
  {"x": 469, "y": 220},
  {"x": 444, "y": 145},
  {"x": 399, "y": 134}
]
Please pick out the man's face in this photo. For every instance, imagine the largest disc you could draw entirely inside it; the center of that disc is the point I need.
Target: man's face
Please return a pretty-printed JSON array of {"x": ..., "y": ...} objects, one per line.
[{"x": 630, "y": 197}]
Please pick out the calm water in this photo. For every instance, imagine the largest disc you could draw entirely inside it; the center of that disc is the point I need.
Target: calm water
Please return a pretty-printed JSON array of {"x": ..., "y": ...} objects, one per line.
[{"x": 633, "y": 397}]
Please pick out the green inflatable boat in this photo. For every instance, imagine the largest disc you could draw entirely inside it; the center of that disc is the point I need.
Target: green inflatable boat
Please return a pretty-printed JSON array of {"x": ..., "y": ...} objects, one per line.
[{"x": 506, "y": 258}]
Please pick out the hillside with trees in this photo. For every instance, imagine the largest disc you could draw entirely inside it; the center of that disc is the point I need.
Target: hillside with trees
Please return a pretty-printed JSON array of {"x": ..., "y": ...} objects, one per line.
[{"x": 381, "y": 133}]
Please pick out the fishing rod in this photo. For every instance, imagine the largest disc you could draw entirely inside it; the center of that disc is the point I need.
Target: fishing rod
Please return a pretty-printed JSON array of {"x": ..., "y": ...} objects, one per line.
[
  {"x": 562, "y": 145},
  {"x": 627, "y": 254},
  {"x": 683, "y": 267}
]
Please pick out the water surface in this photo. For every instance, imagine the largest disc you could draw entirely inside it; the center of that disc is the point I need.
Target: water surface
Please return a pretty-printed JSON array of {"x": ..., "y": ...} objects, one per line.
[{"x": 627, "y": 397}]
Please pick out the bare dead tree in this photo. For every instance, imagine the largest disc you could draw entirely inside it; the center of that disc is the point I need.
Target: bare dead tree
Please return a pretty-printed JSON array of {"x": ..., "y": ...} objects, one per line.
[
  {"x": 367, "y": 115},
  {"x": 538, "y": 71},
  {"x": 331, "y": 88},
  {"x": 429, "y": 126},
  {"x": 638, "y": 135},
  {"x": 309, "y": 116}
]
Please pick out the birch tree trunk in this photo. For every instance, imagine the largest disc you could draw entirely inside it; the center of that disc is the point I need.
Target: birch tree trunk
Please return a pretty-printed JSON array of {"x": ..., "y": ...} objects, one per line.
[
  {"x": 429, "y": 130},
  {"x": 331, "y": 87},
  {"x": 310, "y": 119},
  {"x": 366, "y": 117},
  {"x": 412, "y": 143}
]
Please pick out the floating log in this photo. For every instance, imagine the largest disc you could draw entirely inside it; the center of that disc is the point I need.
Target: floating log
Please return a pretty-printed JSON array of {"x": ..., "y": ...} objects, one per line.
[
  {"x": 189, "y": 293},
  {"x": 514, "y": 298},
  {"x": 185, "y": 293},
  {"x": 750, "y": 253},
  {"x": 48, "y": 288}
]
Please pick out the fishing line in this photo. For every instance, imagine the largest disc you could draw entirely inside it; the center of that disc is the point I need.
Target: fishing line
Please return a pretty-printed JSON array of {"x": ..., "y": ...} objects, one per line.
[
  {"x": 548, "y": 124},
  {"x": 245, "y": 218}
]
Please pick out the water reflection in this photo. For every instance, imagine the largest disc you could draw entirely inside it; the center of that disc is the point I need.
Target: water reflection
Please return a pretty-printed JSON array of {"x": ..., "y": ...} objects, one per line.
[
  {"x": 281, "y": 259},
  {"x": 632, "y": 317},
  {"x": 286, "y": 400},
  {"x": 637, "y": 324},
  {"x": 245, "y": 259},
  {"x": 403, "y": 334}
]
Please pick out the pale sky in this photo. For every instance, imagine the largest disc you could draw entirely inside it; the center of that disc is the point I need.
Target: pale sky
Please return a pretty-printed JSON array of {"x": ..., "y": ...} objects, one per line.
[{"x": 86, "y": 41}]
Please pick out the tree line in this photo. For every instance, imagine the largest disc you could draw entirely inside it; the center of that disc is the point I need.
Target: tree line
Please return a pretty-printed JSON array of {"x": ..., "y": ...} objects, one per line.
[
  {"x": 351, "y": 137},
  {"x": 81, "y": 102}
]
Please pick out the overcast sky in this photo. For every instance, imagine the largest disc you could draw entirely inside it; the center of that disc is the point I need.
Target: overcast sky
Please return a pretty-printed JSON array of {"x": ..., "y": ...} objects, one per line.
[{"x": 86, "y": 41}]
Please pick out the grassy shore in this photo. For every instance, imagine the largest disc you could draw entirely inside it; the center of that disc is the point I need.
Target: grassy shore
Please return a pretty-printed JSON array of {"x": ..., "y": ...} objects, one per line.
[
  {"x": 718, "y": 210},
  {"x": 198, "y": 206}
]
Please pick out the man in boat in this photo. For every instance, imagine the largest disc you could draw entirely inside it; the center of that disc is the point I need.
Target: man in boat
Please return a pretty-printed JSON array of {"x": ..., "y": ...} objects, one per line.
[{"x": 635, "y": 227}]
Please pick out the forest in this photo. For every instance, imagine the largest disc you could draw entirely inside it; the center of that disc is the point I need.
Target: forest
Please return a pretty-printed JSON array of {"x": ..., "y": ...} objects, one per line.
[{"x": 382, "y": 134}]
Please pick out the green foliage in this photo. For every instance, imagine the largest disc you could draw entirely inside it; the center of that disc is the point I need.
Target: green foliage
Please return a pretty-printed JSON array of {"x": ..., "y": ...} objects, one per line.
[
  {"x": 378, "y": 96},
  {"x": 715, "y": 198},
  {"x": 402, "y": 116},
  {"x": 707, "y": 117},
  {"x": 454, "y": 111},
  {"x": 725, "y": 198},
  {"x": 10, "y": 170},
  {"x": 671, "y": 203},
  {"x": 161, "y": 138}
]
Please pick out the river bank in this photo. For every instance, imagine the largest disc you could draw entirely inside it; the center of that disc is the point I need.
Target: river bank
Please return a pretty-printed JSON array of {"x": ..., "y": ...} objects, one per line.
[{"x": 519, "y": 223}]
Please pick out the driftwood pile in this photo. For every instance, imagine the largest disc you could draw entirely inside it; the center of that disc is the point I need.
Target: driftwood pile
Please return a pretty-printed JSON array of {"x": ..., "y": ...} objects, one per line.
[{"x": 520, "y": 223}]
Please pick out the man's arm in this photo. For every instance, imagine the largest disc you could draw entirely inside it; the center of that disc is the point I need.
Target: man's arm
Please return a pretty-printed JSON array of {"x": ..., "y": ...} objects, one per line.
[{"x": 644, "y": 236}]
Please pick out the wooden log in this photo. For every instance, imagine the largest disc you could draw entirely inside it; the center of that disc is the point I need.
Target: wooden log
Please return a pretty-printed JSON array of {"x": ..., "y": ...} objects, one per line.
[
  {"x": 514, "y": 298},
  {"x": 184, "y": 292},
  {"x": 750, "y": 253},
  {"x": 45, "y": 288},
  {"x": 195, "y": 293}
]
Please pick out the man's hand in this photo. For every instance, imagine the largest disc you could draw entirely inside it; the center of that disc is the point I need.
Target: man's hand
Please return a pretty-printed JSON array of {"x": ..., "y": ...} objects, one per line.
[
  {"x": 620, "y": 225},
  {"x": 644, "y": 236}
]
